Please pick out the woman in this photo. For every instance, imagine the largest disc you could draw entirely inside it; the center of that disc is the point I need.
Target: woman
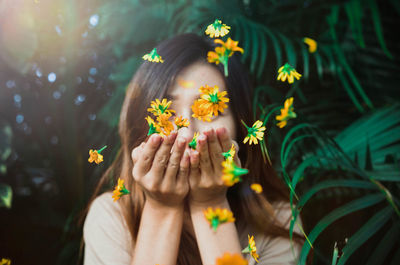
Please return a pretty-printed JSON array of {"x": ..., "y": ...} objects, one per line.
[{"x": 161, "y": 221}]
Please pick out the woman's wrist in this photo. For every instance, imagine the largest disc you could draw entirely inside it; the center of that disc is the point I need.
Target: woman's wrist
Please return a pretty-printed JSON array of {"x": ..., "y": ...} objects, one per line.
[
  {"x": 163, "y": 208},
  {"x": 221, "y": 202}
]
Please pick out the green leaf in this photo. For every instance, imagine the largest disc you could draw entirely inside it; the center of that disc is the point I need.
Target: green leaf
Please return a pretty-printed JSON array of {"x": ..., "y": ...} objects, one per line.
[
  {"x": 365, "y": 232},
  {"x": 378, "y": 26},
  {"x": 346, "y": 209},
  {"x": 387, "y": 243}
]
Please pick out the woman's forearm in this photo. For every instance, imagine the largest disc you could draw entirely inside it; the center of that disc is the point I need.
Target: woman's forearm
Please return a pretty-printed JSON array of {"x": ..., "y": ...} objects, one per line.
[
  {"x": 159, "y": 235},
  {"x": 213, "y": 244}
]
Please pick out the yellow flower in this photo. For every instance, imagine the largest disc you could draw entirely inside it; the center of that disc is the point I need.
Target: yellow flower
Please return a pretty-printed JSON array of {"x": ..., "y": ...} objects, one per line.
[
  {"x": 153, "y": 56},
  {"x": 200, "y": 112},
  {"x": 218, "y": 216},
  {"x": 254, "y": 133},
  {"x": 231, "y": 172},
  {"x": 4, "y": 261},
  {"x": 229, "y": 154},
  {"x": 312, "y": 44},
  {"x": 251, "y": 248},
  {"x": 230, "y": 45},
  {"x": 95, "y": 156},
  {"x": 159, "y": 107},
  {"x": 165, "y": 124},
  {"x": 286, "y": 113},
  {"x": 217, "y": 29},
  {"x": 256, "y": 187},
  {"x": 213, "y": 100},
  {"x": 193, "y": 142},
  {"x": 287, "y": 71},
  {"x": 119, "y": 190},
  {"x": 153, "y": 127},
  {"x": 228, "y": 259},
  {"x": 181, "y": 122}
]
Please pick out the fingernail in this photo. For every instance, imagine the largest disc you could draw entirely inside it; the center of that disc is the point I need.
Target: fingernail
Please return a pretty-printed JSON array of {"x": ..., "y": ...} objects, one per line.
[{"x": 155, "y": 138}]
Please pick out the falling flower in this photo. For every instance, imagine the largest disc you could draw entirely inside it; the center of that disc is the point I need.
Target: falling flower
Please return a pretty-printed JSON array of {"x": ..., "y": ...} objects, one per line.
[
  {"x": 153, "y": 127},
  {"x": 213, "y": 100},
  {"x": 287, "y": 71},
  {"x": 165, "y": 124},
  {"x": 286, "y": 113},
  {"x": 251, "y": 248},
  {"x": 153, "y": 56},
  {"x": 254, "y": 133},
  {"x": 228, "y": 259},
  {"x": 230, "y": 45},
  {"x": 218, "y": 216},
  {"x": 214, "y": 56},
  {"x": 231, "y": 172},
  {"x": 200, "y": 111},
  {"x": 160, "y": 107},
  {"x": 256, "y": 187},
  {"x": 193, "y": 142},
  {"x": 229, "y": 154},
  {"x": 217, "y": 29},
  {"x": 119, "y": 190},
  {"x": 312, "y": 44},
  {"x": 185, "y": 83},
  {"x": 95, "y": 156},
  {"x": 222, "y": 53},
  {"x": 181, "y": 122}
]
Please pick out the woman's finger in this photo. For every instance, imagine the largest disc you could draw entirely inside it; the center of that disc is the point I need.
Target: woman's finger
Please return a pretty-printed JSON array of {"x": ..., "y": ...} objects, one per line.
[
  {"x": 174, "y": 162},
  {"x": 214, "y": 149},
  {"x": 162, "y": 155},
  {"x": 205, "y": 161},
  {"x": 194, "y": 173},
  {"x": 184, "y": 169},
  {"x": 145, "y": 160},
  {"x": 136, "y": 151}
]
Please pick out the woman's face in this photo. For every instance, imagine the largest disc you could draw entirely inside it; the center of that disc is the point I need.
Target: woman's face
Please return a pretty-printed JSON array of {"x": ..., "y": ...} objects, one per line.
[{"x": 186, "y": 90}]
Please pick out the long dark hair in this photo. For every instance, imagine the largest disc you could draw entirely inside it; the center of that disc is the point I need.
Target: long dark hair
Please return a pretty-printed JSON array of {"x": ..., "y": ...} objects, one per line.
[{"x": 152, "y": 81}]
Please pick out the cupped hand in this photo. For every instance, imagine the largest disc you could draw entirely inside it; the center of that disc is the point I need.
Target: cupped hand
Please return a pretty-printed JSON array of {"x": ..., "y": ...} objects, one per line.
[
  {"x": 161, "y": 168},
  {"x": 205, "y": 178}
]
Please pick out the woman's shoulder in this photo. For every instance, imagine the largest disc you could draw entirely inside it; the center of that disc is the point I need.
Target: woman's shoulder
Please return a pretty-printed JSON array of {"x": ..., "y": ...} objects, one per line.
[{"x": 105, "y": 232}]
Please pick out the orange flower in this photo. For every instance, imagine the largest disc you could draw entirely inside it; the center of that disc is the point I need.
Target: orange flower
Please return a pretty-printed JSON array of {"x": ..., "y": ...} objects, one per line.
[
  {"x": 230, "y": 45},
  {"x": 217, "y": 55},
  {"x": 200, "y": 112},
  {"x": 251, "y": 248},
  {"x": 214, "y": 100},
  {"x": 164, "y": 122},
  {"x": 228, "y": 259},
  {"x": 181, "y": 122},
  {"x": 95, "y": 156},
  {"x": 119, "y": 190},
  {"x": 218, "y": 216}
]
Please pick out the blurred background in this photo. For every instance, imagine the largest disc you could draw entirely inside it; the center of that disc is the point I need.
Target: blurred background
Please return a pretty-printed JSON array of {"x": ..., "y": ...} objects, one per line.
[{"x": 64, "y": 67}]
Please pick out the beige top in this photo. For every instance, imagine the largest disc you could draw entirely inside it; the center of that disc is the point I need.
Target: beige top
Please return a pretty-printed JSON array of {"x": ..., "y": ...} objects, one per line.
[{"x": 107, "y": 239}]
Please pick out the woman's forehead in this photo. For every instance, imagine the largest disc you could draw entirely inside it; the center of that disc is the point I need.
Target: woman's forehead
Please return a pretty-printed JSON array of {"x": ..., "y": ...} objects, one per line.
[{"x": 197, "y": 75}]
